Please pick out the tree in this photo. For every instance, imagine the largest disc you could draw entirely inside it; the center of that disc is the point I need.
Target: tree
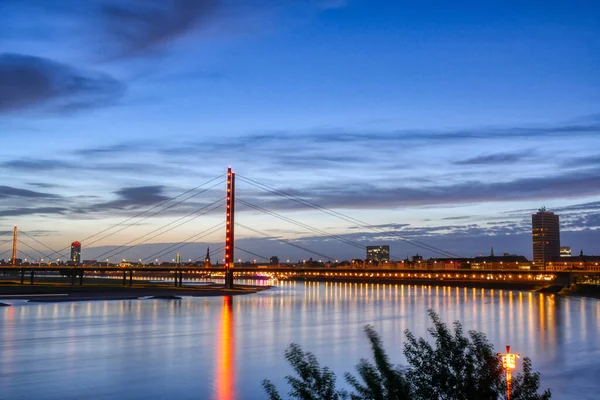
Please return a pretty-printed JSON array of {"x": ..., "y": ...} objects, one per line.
[
  {"x": 382, "y": 381},
  {"x": 455, "y": 366},
  {"x": 458, "y": 367},
  {"x": 312, "y": 383},
  {"x": 527, "y": 383}
]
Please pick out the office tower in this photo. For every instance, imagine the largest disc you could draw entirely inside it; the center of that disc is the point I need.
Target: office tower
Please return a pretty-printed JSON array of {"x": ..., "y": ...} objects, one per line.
[
  {"x": 76, "y": 252},
  {"x": 545, "y": 233},
  {"x": 378, "y": 253}
]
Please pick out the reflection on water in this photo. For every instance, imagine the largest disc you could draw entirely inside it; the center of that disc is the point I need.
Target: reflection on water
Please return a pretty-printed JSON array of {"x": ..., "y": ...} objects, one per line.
[
  {"x": 226, "y": 358},
  {"x": 222, "y": 347}
]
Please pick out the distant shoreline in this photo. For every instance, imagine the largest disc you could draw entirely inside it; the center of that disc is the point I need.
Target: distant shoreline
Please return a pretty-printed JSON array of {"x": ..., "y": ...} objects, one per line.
[
  {"x": 106, "y": 289},
  {"x": 590, "y": 291}
]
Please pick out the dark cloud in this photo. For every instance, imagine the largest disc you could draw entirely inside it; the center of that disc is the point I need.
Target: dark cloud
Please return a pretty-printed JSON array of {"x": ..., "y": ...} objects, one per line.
[
  {"x": 392, "y": 226},
  {"x": 589, "y": 206},
  {"x": 498, "y": 158},
  {"x": 586, "y": 161},
  {"x": 303, "y": 142},
  {"x": 119, "y": 148},
  {"x": 97, "y": 165},
  {"x": 36, "y": 165},
  {"x": 18, "y": 212},
  {"x": 144, "y": 25},
  {"x": 11, "y": 192},
  {"x": 45, "y": 185},
  {"x": 132, "y": 198},
  {"x": 360, "y": 195},
  {"x": 30, "y": 82}
]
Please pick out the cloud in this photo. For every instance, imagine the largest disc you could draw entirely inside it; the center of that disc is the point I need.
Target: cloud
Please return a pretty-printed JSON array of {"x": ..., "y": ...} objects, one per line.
[
  {"x": 18, "y": 212},
  {"x": 45, "y": 185},
  {"x": 309, "y": 141},
  {"x": 364, "y": 195},
  {"x": 493, "y": 159},
  {"x": 145, "y": 25},
  {"x": 589, "y": 206},
  {"x": 30, "y": 82},
  {"x": 132, "y": 198},
  {"x": 97, "y": 165},
  {"x": 11, "y": 192},
  {"x": 36, "y": 165},
  {"x": 586, "y": 161}
]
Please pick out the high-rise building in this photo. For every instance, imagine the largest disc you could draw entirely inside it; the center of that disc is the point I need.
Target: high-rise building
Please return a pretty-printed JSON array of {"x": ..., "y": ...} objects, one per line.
[
  {"x": 378, "y": 253},
  {"x": 545, "y": 231},
  {"x": 76, "y": 252}
]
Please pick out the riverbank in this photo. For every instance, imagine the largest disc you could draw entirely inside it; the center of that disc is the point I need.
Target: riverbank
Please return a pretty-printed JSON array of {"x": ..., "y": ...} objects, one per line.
[
  {"x": 491, "y": 284},
  {"x": 56, "y": 292},
  {"x": 592, "y": 291}
]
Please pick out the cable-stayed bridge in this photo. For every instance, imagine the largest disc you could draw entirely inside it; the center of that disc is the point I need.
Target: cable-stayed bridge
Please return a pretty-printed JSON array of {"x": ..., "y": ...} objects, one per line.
[{"x": 40, "y": 254}]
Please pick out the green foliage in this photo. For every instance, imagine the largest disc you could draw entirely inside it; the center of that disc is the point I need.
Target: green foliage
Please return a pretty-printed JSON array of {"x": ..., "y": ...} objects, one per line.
[
  {"x": 527, "y": 383},
  {"x": 458, "y": 367},
  {"x": 312, "y": 383},
  {"x": 382, "y": 381},
  {"x": 455, "y": 366}
]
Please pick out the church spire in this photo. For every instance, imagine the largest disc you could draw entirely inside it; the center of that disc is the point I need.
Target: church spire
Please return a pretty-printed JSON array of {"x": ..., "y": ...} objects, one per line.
[
  {"x": 492, "y": 252},
  {"x": 207, "y": 258}
]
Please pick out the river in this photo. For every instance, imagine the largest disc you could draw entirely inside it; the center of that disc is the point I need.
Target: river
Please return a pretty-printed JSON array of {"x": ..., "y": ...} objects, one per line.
[{"x": 222, "y": 347}]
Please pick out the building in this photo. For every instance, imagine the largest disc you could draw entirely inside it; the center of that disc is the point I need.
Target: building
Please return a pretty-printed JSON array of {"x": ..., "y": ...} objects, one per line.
[
  {"x": 76, "y": 253},
  {"x": 378, "y": 253},
  {"x": 565, "y": 251},
  {"x": 507, "y": 261},
  {"x": 274, "y": 260},
  {"x": 449, "y": 263},
  {"x": 545, "y": 232},
  {"x": 207, "y": 258},
  {"x": 580, "y": 262}
]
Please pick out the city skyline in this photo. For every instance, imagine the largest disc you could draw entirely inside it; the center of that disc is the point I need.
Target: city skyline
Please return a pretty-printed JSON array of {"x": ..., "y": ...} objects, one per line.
[{"x": 424, "y": 137}]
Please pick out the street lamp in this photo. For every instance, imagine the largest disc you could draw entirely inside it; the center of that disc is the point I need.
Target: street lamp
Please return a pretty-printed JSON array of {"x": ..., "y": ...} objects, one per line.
[{"x": 509, "y": 362}]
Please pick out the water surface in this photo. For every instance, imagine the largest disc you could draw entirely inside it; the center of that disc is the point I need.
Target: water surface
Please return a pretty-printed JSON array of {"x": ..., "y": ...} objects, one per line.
[{"x": 222, "y": 347}]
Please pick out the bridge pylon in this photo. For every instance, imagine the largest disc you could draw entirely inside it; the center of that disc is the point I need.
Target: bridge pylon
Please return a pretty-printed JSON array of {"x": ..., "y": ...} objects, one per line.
[
  {"x": 229, "y": 229},
  {"x": 14, "y": 249}
]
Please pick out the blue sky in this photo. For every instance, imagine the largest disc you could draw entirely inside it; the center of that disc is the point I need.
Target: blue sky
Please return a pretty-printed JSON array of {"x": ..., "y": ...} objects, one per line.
[{"x": 444, "y": 122}]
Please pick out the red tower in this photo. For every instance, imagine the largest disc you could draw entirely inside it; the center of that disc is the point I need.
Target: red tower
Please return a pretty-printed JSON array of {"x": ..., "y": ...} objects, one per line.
[
  {"x": 14, "y": 249},
  {"x": 229, "y": 228}
]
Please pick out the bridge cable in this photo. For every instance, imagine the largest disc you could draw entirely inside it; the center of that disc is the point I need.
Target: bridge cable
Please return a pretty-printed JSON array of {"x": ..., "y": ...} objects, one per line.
[
  {"x": 7, "y": 251},
  {"x": 249, "y": 252},
  {"x": 35, "y": 240},
  {"x": 286, "y": 242},
  {"x": 212, "y": 252},
  {"x": 113, "y": 252},
  {"x": 345, "y": 217},
  {"x": 185, "y": 242},
  {"x": 146, "y": 211},
  {"x": 292, "y": 221},
  {"x": 24, "y": 253}
]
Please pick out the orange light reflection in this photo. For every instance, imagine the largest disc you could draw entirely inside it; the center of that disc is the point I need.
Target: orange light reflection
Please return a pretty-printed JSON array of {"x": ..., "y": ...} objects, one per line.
[{"x": 225, "y": 389}]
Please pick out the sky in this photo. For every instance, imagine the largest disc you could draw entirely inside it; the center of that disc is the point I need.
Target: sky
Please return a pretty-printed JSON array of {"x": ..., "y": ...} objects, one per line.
[{"x": 445, "y": 123}]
